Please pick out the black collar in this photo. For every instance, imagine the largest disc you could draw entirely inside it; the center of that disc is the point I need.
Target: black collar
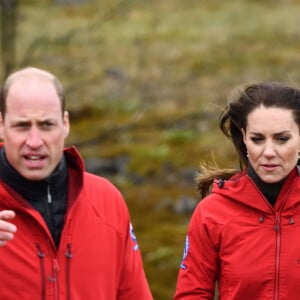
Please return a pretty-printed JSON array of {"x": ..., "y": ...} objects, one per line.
[
  {"x": 32, "y": 190},
  {"x": 270, "y": 190}
]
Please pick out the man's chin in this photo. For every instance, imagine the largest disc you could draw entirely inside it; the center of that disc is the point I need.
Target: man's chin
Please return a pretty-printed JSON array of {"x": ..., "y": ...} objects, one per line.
[{"x": 35, "y": 175}]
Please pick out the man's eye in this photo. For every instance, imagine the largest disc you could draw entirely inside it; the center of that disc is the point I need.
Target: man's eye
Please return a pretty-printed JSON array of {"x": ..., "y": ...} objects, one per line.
[
  {"x": 47, "y": 125},
  {"x": 22, "y": 125}
]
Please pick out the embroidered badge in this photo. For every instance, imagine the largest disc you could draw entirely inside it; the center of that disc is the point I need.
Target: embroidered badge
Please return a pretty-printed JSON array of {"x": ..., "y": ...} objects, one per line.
[
  {"x": 185, "y": 253},
  {"x": 133, "y": 237}
]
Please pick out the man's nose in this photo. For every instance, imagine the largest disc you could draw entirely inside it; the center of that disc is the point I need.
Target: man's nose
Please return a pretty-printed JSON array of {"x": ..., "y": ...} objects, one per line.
[{"x": 34, "y": 139}]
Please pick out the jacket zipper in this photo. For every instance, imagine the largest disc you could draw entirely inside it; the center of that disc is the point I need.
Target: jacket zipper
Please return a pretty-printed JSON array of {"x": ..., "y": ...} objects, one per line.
[
  {"x": 277, "y": 257},
  {"x": 41, "y": 256},
  {"x": 54, "y": 279},
  {"x": 49, "y": 197},
  {"x": 69, "y": 256}
]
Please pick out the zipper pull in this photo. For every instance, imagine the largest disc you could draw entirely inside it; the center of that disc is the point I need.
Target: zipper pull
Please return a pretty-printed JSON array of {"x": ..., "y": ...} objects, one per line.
[
  {"x": 55, "y": 266},
  {"x": 68, "y": 252},
  {"x": 277, "y": 222},
  {"x": 55, "y": 271},
  {"x": 49, "y": 194}
]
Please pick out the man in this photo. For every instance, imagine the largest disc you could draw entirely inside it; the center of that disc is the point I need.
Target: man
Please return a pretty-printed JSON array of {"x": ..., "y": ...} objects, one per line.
[{"x": 65, "y": 233}]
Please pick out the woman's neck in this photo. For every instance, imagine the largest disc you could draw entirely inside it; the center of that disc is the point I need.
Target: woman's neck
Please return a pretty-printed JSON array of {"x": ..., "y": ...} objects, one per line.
[{"x": 269, "y": 190}]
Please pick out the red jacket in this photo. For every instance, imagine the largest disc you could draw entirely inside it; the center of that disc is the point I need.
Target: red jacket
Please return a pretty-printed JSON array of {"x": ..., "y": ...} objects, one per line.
[
  {"x": 238, "y": 239},
  {"x": 98, "y": 256}
]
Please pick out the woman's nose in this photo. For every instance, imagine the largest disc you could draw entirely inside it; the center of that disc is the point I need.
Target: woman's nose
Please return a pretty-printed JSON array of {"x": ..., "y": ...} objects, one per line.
[{"x": 269, "y": 149}]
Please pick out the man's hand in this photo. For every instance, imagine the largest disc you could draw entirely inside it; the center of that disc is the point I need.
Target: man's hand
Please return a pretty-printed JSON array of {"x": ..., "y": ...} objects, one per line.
[{"x": 7, "y": 229}]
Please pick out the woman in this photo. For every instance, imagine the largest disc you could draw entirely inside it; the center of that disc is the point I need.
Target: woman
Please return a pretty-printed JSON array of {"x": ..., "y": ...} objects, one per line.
[{"x": 245, "y": 235}]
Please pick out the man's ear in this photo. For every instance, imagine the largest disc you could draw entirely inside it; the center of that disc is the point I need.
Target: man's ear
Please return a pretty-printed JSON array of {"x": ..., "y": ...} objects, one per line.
[
  {"x": 66, "y": 121},
  {"x": 1, "y": 126}
]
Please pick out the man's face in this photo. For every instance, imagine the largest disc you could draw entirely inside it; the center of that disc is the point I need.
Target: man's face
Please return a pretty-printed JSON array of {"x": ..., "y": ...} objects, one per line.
[{"x": 34, "y": 128}]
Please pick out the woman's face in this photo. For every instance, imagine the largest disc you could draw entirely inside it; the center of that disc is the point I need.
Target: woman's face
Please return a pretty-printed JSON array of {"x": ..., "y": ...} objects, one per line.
[{"x": 272, "y": 139}]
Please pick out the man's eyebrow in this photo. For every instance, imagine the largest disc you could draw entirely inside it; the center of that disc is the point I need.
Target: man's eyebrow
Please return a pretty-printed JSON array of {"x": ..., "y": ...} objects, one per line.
[{"x": 20, "y": 122}]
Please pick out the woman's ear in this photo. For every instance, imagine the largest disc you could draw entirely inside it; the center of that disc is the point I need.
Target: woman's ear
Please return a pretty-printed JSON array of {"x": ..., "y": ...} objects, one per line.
[{"x": 244, "y": 134}]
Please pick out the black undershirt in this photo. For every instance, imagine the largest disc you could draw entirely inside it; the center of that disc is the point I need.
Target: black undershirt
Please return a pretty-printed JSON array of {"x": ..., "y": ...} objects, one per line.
[
  {"x": 36, "y": 193},
  {"x": 269, "y": 190}
]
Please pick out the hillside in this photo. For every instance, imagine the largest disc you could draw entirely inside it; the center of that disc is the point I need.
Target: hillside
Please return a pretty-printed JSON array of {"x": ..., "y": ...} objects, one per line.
[{"x": 145, "y": 82}]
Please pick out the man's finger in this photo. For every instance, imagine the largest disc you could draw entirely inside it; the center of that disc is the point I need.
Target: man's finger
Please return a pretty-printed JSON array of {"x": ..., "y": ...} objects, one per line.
[
  {"x": 7, "y": 214},
  {"x": 4, "y": 225}
]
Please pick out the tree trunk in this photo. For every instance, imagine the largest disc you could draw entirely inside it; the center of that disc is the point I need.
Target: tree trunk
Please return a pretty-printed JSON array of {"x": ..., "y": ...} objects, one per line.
[{"x": 8, "y": 34}]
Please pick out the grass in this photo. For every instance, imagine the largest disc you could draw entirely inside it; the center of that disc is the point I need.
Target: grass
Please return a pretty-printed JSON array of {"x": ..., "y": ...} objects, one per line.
[{"x": 147, "y": 80}]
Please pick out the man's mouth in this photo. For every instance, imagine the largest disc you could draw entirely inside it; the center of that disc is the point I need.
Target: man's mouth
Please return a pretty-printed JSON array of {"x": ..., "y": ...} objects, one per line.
[{"x": 34, "y": 157}]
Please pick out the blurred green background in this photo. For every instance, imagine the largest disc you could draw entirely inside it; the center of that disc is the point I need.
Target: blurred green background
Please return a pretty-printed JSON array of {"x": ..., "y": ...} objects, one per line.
[{"x": 145, "y": 82}]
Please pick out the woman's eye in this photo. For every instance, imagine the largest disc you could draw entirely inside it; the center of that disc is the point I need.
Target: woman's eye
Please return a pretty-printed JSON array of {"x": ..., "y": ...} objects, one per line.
[
  {"x": 256, "y": 139},
  {"x": 282, "y": 139}
]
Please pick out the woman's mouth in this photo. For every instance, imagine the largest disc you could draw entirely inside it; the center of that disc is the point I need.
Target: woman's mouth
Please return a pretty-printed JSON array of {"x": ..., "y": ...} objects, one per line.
[{"x": 269, "y": 167}]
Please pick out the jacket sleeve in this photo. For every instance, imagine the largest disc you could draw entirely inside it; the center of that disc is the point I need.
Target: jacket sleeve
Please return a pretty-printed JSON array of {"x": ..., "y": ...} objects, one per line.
[
  {"x": 126, "y": 274},
  {"x": 133, "y": 283},
  {"x": 199, "y": 266}
]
